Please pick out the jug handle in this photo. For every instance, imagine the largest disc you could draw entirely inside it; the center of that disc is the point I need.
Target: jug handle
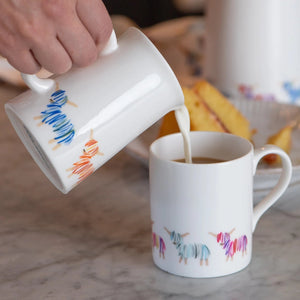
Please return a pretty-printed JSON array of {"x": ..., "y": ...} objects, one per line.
[{"x": 41, "y": 86}]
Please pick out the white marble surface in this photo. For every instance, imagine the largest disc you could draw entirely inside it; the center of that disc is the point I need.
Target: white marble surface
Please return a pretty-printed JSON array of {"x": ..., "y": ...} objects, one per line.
[{"x": 95, "y": 242}]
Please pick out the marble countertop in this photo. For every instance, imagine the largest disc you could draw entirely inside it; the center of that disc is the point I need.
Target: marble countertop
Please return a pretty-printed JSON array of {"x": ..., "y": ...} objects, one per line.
[{"x": 95, "y": 242}]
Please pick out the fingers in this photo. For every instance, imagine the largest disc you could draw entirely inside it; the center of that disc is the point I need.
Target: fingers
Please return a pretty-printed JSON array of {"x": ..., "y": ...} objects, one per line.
[
  {"x": 98, "y": 23},
  {"x": 34, "y": 46},
  {"x": 24, "y": 61},
  {"x": 55, "y": 35},
  {"x": 52, "y": 55},
  {"x": 12, "y": 46},
  {"x": 84, "y": 32},
  {"x": 77, "y": 42}
]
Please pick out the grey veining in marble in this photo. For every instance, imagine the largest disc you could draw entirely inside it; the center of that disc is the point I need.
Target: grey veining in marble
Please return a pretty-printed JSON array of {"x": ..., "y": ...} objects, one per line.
[{"x": 95, "y": 242}]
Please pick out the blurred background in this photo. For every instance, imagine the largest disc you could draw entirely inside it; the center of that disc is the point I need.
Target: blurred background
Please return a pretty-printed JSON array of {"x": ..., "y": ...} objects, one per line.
[
  {"x": 176, "y": 27},
  {"x": 149, "y": 12}
]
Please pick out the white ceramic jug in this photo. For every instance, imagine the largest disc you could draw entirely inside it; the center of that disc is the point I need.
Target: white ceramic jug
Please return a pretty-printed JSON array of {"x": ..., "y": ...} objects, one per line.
[{"x": 73, "y": 123}]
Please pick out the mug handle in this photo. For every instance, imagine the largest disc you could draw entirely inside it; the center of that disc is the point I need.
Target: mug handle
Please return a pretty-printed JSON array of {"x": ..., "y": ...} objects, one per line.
[
  {"x": 41, "y": 86},
  {"x": 280, "y": 187}
]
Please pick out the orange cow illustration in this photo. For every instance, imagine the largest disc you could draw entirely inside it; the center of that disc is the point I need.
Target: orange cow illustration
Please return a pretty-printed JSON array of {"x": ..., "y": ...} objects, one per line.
[{"x": 84, "y": 167}]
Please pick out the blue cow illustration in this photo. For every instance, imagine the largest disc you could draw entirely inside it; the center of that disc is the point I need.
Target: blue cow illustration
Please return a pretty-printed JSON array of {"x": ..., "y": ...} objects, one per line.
[
  {"x": 61, "y": 125},
  {"x": 185, "y": 251}
]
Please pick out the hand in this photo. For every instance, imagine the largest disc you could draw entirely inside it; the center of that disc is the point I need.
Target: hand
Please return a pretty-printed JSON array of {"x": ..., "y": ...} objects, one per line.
[{"x": 54, "y": 34}]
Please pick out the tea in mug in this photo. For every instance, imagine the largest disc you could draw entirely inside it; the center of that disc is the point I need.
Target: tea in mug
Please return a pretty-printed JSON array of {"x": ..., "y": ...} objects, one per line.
[{"x": 202, "y": 160}]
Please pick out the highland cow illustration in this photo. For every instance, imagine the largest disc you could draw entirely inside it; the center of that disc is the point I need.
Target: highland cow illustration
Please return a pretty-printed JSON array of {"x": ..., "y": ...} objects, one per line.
[
  {"x": 158, "y": 243},
  {"x": 231, "y": 246},
  {"x": 84, "y": 167},
  {"x": 53, "y": 116},
  {"x": 186, "y": 251}
]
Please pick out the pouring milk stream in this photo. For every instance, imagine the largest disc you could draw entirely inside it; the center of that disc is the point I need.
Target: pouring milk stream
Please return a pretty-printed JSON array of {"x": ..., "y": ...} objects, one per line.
[{"x": 183, "y": 121}]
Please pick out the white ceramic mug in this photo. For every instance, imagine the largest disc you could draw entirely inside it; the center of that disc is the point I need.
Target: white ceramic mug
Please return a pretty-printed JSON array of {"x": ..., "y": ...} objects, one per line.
[
  {"x": 252, "y": 48},
  {"x": 202, "y": 214},
  {"x": 73, "y": 123}
]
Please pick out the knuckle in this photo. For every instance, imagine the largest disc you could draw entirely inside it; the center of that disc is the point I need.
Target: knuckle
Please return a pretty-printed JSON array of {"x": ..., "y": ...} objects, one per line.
[
  {"x": 88, "y": 58},
  {"x": 27, "y": 30},
  {"x": 32, "y": 32},
  {"x": 55, "y": 9}
]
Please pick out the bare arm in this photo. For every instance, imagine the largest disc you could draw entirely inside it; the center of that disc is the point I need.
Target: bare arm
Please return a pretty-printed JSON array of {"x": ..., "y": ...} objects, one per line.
[{"x": 54, "y": 34}]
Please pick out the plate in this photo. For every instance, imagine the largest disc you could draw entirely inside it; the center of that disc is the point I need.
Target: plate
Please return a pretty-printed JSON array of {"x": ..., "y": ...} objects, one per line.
[{"x": 267, "y": 118}]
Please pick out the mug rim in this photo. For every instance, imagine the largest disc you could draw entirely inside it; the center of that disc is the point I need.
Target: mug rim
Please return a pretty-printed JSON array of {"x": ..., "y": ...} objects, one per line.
[{"x": 197, "y": 133}]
